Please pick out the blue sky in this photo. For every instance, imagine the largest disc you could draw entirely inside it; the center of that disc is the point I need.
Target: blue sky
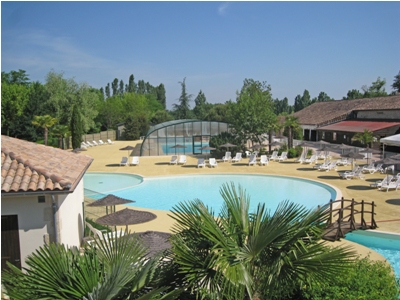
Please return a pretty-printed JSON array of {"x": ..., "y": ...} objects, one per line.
[{"x": 319, "y": 46}]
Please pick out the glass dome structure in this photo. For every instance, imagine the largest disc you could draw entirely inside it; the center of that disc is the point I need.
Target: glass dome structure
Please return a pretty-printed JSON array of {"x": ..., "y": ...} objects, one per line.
[{"x": 180, "y": 137}]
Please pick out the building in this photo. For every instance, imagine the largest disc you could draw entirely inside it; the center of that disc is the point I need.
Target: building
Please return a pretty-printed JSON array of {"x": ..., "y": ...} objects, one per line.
[
  {"x": 338, "y": 121},
  {"x": 41, "y": 198},
  {"x": 180, "y": 137}
]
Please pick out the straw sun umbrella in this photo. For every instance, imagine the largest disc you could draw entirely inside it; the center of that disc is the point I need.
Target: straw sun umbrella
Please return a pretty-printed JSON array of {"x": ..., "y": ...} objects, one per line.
[
  {"x": 207, "y": 148},
  {"x": 110, "y": 200},
  {"x": 126, "y": 217}
]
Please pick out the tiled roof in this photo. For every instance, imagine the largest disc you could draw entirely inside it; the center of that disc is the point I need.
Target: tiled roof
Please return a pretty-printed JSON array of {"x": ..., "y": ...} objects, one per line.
[
  {"x": 324, "y": 113},
  {"x": 359, "y": 126},
  {"x": 30, "y": 167}
]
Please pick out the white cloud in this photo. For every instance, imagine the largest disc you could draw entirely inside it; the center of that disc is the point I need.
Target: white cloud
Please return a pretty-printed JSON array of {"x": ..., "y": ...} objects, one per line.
[{"x": 222, "y": 8}]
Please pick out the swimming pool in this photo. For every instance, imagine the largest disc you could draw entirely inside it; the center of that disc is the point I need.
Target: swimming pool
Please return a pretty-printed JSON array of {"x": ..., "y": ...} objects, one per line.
[
  {"x": 163, "y": 193},
  {"x": 386, "y": 244}
]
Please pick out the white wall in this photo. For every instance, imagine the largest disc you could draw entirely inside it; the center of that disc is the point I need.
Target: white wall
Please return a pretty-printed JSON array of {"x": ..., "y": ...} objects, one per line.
[
  {"x": 70, "y": 217},
  {"x": 35, "y": 221}
]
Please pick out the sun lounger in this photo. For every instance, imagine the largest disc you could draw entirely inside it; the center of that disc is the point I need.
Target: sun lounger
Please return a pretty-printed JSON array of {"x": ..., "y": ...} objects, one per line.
[
  {"x": 263, "y": 160},
  {"x": 310, "y": 160},
  {"x": 212, "y": 162},
  {"x": 110, "y": 142},
  {"x": 273, "y": 156},
  {"x": 135, "y": 160},
  {"x": 252, "y": 159},
  {"x": 85, "y": 145},
  {"x": 238, "y": 157},
  {"x": 282, "y": 157},
  {"x": 374, "y": 169},
  {"x": 227, "y": 157},
  {"x": 386, "y": 180},
  {"x": 95, "y": 143},
  {"x": 301, "y": 158},
  {"x": 366, "y": 169},
  {"x": 201, "y": 163},
  {"x": 330, "y": 166},
  {"x": 124, "y": 161},
  {"x": 343, "y": 162},
  {"x": 391, "y": 185},
  {"x": 90, "y": 144},
  {"x": 353, "y": 174},
  {"x": 323, "y": 165},
  {"x": 174, "y": 160},
  {"x": 102, "y": 143},
  {"x": 182, "y": 160},
  {"x": 103, "y": 234}
]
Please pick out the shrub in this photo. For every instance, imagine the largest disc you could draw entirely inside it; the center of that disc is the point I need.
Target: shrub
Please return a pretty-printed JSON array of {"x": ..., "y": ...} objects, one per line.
[
  {"x": 292, "y": 153},
  {"x": 367, "y": 280}
]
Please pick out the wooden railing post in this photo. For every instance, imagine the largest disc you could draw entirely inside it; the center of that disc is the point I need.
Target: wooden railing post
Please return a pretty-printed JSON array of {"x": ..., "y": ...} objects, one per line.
[{"x": 373, "y": 223}]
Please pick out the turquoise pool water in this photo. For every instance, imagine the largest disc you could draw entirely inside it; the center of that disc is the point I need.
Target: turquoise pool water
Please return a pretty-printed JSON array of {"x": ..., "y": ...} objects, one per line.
[
  {"x": 163, "y": 193},
  {"x": 386, "y": 244}
]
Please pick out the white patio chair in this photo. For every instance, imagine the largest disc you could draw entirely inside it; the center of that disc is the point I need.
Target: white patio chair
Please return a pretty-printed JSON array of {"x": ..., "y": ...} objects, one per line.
[
  {"x": 310, "y": 160},
  {"x": 201, "y": 163},
  {"x": 330, "y": 166},
  {"x": 391, "y": 185},
  {"x": 227, "y": 157},
  {"x": 90, "y": 144},
  {"x": 135, "y": 160},
  {"x": 110, "y": 141},
  {"x": 282, "y": 157},
  {"x": 174, "y": 160},
  {"x": 182, "y": 160},
  {"x": 263, "y": 160},
  {"x": 273, "y": 156},
  {"x": 124, "y": 161},
  {"x": 212, "y": 162},
  {"x": 101, "y": 142},
  {"x": 252, "y": 159},
  {"x": 95, "y": 143},
  {"x": 386, "y": 180},
  {"x": 238, "y": 157}
]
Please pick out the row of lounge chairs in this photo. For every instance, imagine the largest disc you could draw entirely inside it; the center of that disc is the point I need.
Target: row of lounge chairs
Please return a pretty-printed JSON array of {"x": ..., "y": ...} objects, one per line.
[
  {"x": 125, "y": 162},
  {"x": 389, "y": 182},
  {"x": 88, "y": 144}
]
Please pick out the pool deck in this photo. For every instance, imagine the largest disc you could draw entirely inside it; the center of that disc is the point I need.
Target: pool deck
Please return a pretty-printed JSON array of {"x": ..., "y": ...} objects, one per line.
[{"x": 107, "y": 158}]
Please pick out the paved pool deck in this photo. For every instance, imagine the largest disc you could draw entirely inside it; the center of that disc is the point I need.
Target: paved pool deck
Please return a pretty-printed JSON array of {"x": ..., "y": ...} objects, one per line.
[{"x": 108, "y": 157}]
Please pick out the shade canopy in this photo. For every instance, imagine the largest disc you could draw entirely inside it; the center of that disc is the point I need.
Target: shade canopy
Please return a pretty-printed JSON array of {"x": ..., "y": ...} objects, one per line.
[
  {"x": 126, "y": 217},
  {"x": 389, "y": 161},
  {"x": 353, "y": 155},
  {"x": 393, "y": 140},
  {"x": 258, "y": 146},
  {"x": 110, "y": 200},
  {"x": 369, "y": 150},
  {"x": 227, "y": 145},
  {"x": 154, "y": 241}
]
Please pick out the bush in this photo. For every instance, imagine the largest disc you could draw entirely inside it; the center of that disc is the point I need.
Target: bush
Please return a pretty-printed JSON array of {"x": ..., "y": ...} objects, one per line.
[
  {"x": 367, "y": 280},
  {"x": 292, "y": 153}
]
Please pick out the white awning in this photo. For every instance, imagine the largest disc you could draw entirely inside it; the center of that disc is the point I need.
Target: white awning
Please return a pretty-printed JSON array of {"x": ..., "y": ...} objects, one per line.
[{"x": 393, "y": 140}]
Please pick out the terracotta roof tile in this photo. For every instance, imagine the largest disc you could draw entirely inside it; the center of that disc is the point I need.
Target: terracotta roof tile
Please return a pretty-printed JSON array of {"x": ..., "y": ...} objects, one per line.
[
  {"x": 30, "y": 167},
  {"x": 324, "y": 113}
]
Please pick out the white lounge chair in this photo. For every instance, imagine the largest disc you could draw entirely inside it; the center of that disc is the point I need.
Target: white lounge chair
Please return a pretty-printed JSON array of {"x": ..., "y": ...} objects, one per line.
[
  {"x": 124, "y": 161},
  {"x": 301, "y": 158},
  {"x": 282, "y": 157},
  {"x": 310, "y": 160},
  {"x": 110, "y": 142},
  {"x": 135, "y": 160},
  {"x": 343, "y": 162},
  {"x": 330, "y": 166},
  {"x": 273, "y": 156},
  {"x": 90, "y": 144},
  {"x": 212, "y": 162},
  {"x": 323, "y": 165},
  {"x": 350, "y": 175},
  {"x": 227, "y": 157},
  {"x": 238, "y": 157},
  {"x": 391, "y": 185},
  {"x": 366, "y": 169},
  {"x": 101, "y": 142},
  {"x": 103, "y": 234},
  {"x": 95, "y": 143},
  {"x": 85, "y": 145},
  {"x": 376, "y": 168},
  {"x": 263, "y": 160},
  {"x": 252, "y": 159},
  {"x": 201, "y": 163},
  {"x": 386, "y": 180},
  {"x": 248, "y": 153},
  {"x": 182, "y": 160},
  {"x": 174, "y": 160}
]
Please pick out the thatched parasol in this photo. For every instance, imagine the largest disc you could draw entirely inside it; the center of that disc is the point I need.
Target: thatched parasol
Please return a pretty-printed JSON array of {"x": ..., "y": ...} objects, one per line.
[
  {"x": 128, "y": 148},
  {"x": 126, "y": 217},
  {"x": 154, "y": 241},
  {"x": 110, "y": 200}
]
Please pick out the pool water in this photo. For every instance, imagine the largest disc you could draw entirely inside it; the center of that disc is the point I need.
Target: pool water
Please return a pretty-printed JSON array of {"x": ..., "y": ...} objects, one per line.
[
  {"x": 386, "y": 244},
  {"x": 163, "y": 193}
]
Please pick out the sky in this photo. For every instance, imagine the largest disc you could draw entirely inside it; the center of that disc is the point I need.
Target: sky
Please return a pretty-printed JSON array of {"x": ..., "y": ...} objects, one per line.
[{"x": 330, "y": 47}]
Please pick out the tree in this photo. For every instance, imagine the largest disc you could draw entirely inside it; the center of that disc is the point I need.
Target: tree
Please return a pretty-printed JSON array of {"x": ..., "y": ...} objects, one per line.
[
  {"x": 282, "y": 106},
  {"x": 182, "y": 110},
  {"x": 201, "y": 106},
  {"x": 76, "y": 127},
  {"x": 353, "y": 94},
  {"x": 15, "y": 77},
  {"x": 301, "y": 102},
  {"x": 322, "y": 97},
  {"x": 377, "y": 89},
  {"x": 292, "y": 124},
  {"x": 245, "y": 255},
  {"x": 396, "y": 83},
  {"x": 253, "y": 111},
  {"x": 131, "y": 84},
  {"x": 105, "y": 270},
  {"x": 161, "y": 116},
  {"x": 141, "y": 87},
  {"x": 60, "y": 132},
  {"x": 160, "y": 90},
  {"x": 366, "y": 137},
  {"x": 114, "y": 87},
  {"x": 44, "y": 122},
  {"x": 108, "y": 94}
]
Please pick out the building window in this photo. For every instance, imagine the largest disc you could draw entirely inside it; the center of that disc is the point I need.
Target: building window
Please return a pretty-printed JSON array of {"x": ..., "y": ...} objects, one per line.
[
  {"x": 323, "y": 135},
  {"x": 41, "y": 199},
  {"x": 334, "y": 136}
]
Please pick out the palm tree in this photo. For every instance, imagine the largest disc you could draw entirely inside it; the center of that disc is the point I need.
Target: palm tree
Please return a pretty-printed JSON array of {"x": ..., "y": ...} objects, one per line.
[
  {"x": 292, "y": 124},
  {"x": 105, "y": 270},
  {"x": 364, "y": 138},
  {"x": 243, "y": 255},
  {"x": 61, "y": 132},
  {"x": 44, "y": 122}
]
